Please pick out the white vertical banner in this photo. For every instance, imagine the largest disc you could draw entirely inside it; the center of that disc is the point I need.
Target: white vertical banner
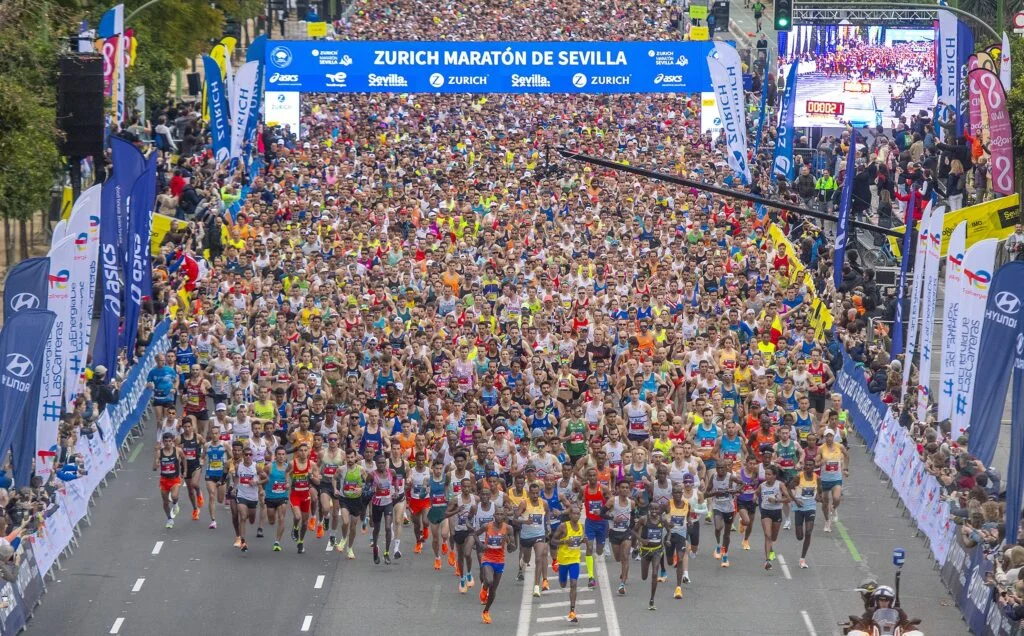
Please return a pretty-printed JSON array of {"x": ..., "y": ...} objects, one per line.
[
  {"x": 978, "y": 265},
  {"x": 1005, "y": 64},
  {"x": 727, "y": 80},
  {"x": 949, "y": 69},
  {"x": 953, "y": 288},
  {"x": 931, "y": 293},
  {"x": 83, "y": 228},
  {"x": 915, "y": 296},
  {"x": 55, "y": 357},
  {"x": 243, "y": 100}
]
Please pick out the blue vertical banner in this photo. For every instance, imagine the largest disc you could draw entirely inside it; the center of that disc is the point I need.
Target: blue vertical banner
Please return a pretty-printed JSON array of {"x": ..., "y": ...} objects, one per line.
[
  {"x": 26, "y": 286},
  {"x": 845, "y": 202},
  {"x": 1000, "y": 340},
  {"x": 964, "y": 50},
  {"x": 901, "y": 285},
  {"x": 105, "y": 348},
  {"x": 129, "y": 163},
  {"x": 22, "y": 342},
  {"x": 138, "y": 275},
  {"x": 782, "y": 164},
  {"x": 217, "y": 99},
  {"x": 1015, "y": 469},
  {"x": 760, "y": 120}
]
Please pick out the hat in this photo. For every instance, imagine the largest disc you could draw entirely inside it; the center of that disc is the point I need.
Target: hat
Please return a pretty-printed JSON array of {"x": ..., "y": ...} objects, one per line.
[
  {"x": 499, "y": 429},
  {"x": 220, "y": 407},
  {"x": 100, "y": 370},
  {"x": 687, "y": 478},
  {"x": 829, "y": 431}
]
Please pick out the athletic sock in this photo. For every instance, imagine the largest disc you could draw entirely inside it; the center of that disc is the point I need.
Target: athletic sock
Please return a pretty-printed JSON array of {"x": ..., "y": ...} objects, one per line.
[{"x": 590, "y": 567}]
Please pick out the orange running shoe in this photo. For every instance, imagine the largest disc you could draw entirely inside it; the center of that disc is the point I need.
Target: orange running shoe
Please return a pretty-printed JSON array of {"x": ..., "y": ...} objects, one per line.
[
  {"x": 312, "y": 524},
  {"x": 195, "y": 515},
  {"x": 451, "y": 558},
  {"x": 486, "y": 618},
  {"x": 238, "y": 542},
  {"x": 462, "y": 586},
  {"x": 544, "y": 585},
  {"x": 437, "y": 564},
  {"x": 426, "y": 534},
  {"x": 554, "y": 565},
  {"x": 444, "y": 548},
  {"x": 458, "y": 569},
  {"x": 418, "y": 548},
  {"x": 483, "y": 595},
  {"x": 199, "y": 499},
  {"x": 319, "y": 531}
]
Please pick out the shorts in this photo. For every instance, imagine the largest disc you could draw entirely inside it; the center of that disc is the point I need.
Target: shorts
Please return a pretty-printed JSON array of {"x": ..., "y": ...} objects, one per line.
[
  {"x": 229, "y": 494},
  {"x": 694, "y": 534},
  {"x": 526, "y": 544},
  {"x": 677, "y": 543},
  {"x": 749, "y": 506},
  {"x": 499, "y": 568},
  {"x": 417, "y": 506},
  {"x": 248, "y": 503},
  {"x": 568, "y": 571},
  {"x": 379, "y": 512},
  {"x": 460, "y": 536},
  {"x": 788, "y": 474},
  {"x": 726, "y": 516},
  {"x": 354, "y": 505},
  {"x": 774, "y": 515},
  {"x": 328, "y": 489},
  {"x": 215, "y": 479},
  {"x": 201, "y": 416},
  {"x": 710, "y": 464},
  {"x": 167, "y": 483},
  {"x": 652, "y": 552},
  {"x": 827, "y": 486},
  {"x": 638, "y": 437},
  {"x": 302, "y": 501},
  {"x": 817, "y": 400},
  {"x": 800, "y": 517},
  {"x": 219, "y": 397},
  {"x": 165, "y": 402},
  {"x": 615, "y": 537},
  {"x": 190, "y": 469},
  {"x": 436, "y": 514},
  {"x": 274, "y": 504},
  {"x": 595, "y": 530}
]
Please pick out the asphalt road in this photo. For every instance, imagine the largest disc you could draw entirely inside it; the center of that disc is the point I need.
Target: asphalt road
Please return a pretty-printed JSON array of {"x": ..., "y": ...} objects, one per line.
[{"x": 132, "y": 576}]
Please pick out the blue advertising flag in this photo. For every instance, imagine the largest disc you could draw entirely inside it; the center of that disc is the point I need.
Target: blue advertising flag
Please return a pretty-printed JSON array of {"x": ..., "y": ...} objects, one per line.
[
  {"x": 845, "y": 202},
  {"x": 901, "y": 285},
  {"x": 1000, "y": 334},
  {"x": 257, "y": 49},
  {"x": 25, "y": 287},
  {"x": 1015, "y": 469},
  {"x": 105, "y": 348},
  {"x": 217, "y": 98},
  {"x": 138, "y": 276},
  {"x": 964, "y": 50},
  {"x": 782, "y": 164},
  {"x": 760, "y": 120},
  {"x": 128, "y": 165},
  {"x": 22, "y": 341}
]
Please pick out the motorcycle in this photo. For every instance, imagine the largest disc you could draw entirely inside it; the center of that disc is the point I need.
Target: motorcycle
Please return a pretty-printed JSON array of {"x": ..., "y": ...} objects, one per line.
[{"x": 884, "y": 622}]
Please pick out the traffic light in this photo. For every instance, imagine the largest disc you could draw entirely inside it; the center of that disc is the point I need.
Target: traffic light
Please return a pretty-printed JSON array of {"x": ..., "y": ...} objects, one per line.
[{"x": 783, "y": 15}]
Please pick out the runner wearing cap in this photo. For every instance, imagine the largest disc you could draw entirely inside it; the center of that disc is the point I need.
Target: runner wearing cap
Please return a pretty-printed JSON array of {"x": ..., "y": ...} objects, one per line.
[{"x": 834, "y": 462}]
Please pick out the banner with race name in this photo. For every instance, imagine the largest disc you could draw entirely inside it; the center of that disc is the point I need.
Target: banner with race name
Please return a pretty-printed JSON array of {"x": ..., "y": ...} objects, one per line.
[
  {"x": 991, "y": 219},
  {"x": 865, "y": 407},
  {"x": 487, "y": 67},
  {"x": 21, "y": 595},
  {"x": 964, "y": 576}
]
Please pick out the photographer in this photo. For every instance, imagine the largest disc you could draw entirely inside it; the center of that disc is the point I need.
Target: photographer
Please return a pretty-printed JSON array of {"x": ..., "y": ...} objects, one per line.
[{"x": 1014, "y": 245}]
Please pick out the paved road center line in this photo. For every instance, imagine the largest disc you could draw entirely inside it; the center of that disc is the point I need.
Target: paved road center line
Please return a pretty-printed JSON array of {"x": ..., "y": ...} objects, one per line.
[
  {"x": 845, "y": 536},
  {"x": 610, "y": 615},
  {"x": 784, "y": 567},
  {"x": 306, "y": 622},
  {"x": 138, "y": 584},
  {"x": 117, "y": 625},
  {"x": 525, "y": 603},
  {"x": 156, "y": 548},
  {"x": 807, "y": 623},
  {"x": 319, "y": 582}
]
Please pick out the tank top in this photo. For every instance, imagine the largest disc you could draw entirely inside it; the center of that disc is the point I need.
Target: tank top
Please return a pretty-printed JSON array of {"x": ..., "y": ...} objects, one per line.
[
  {"x": 802, "y": 423},
  {"x": 730, "y": 448},
  {"x": 593, "y": 502},
  {"x": 770, "y": 492},
  {"x": 331, "y": 464},
  {"x": 637, "y": 419},
  {"x": 576, "y": 446},
  {"x": 723, "y": 503},
  {"x": 300, "y": 478},
  {"x": 661, "y": 494},
  {"x": 418, "y": 488},
  {"x": 190, "y": 448},
  {"x": 248, "y": 482},
  {"x": 832, "y": 463},
  {"x": 677, "y": 517},
  {"x": 463, "y": 511},
  {"x": 639, "y": 488},
  {"x": 554, "y": 505},
  {"x": 195, "y": 399},
  {"x": 438, "y": 498},
  {"x": 622, "y": 514},
  {"x": 706, "y": 440},
  {"x": 533, "y": 520},
  {"x": 483, "y": 516},
  {"x": 494, "y": 545},
  {"x": 569, "y": 552},
  {"x": 215, "y": 460},
  {"x": 352, "y": 483},
  {"x": 653, "y": 532},
  {"x": 697, "y": 507},
  {"x": 399, "y": 471},
  {"x": 786, "y": 455},
  {"x": 170, "y": 466},
  {"x": 805, "y": 492},
  {"x": 750, "y": 483},
  {"x": 277, "y": 482},
  {"x": 383, "y": 488}
]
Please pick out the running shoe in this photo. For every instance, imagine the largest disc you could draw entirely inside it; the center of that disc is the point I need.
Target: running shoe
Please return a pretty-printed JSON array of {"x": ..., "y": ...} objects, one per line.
[
  {"x": 662, "y": 576},
  {"x": 331, "y": 542},
  {"x": 387, "y": 558},
  {"x": 725, "y": 561},
  {"x": 238, "y": 542},
  {"x": 767, "y": 565},
  {"x": 828, "y": 526},
  {"x": 259, "y": 533},
  {"x": 418, "y": 548},
  {"x": 376, "y": 556},
  {"x": 244, "y": 547},
  {"x": 622, "y": 589},
  {"x": 169, "y": 524},
  {"x": 444, "y": 548},
  {"x": 350, "y": 554},
  {"x": 175, "y": 510},
  {"x": 718, "y": 552},
  {"x": 746, "y": 544},
  {"x": 591, "y": 582},
  {"x": 651, "y": 606},
  {"x": 519, "y": 577},
  {"x": 365, "y": 528},
  {"x": 486, "y": 617},
  {"x": 301, "y": 548},
  {"x": 311, "y": 525},
  {"x": 686, "y": 578},
  {"x": 679, "y": 592},
  {"x": 295, "y": 533},
  {"x": 803, "y": 564},
  {"x": 213, "y": 525},
  {"x": 426, "y": 535},
  {"x": 544, "y": 585},
  {"x": 437, "y": 564},
  {"x": 451, "y": 558},
  {"x": 398, "y": 554},
  {"x": 572, "y": 617},
  {"x": 277, "y": 546},
  {"x": 470, "y": 582},
  {"x": 771, "y": 555},
  {"x": 483, "y": 595},
  {"x": 199, "y": 500},
  {"x": 536, "y": 590},
  {"x": 554, "y": 566},
  {"x": 462, "y": 585},
  {"x": 787, "y": 524},
  {"x": 342, "y": 542},
  {"x": 458, "y": 569},
  {"x": 319, "y": 531},
  {"x": 195, "y": 515}
]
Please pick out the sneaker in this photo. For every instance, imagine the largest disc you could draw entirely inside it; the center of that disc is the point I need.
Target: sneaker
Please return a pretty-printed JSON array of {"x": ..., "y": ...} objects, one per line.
[
  {"x": 195, "y": 515},
  {"x": 342, "y": 542},
  {"x": 686, "y": 578},
  {"x": 387, "y": 558},
  {"x": 301, "y": 548},
  {"x": 451, "y": 558},
  {"x": 295, "y": 533},
  {"x": 376, "y": 556},
  {"x": 351, "y": 554},
  {"x": 828, "y": 526},
  {"x": 462, "y": 585},
  {"x": 787, "y": 524},
  {"x": 175, "y": 510},
  {"x": 437, "y": 564},
  {"x": 554, "y": 566},
  {"x": 718, "y": 552},
  {"x": 244, "y": 547},
  {"x": 259, "y": 533},
  {"x": 277, "y": 547},
  {"x": 483, "y": 595},
  {"x": 213, "y": 525},
  {"x": 591, "y": 582},
  {"x": 803, "y": 564},
  {"x": 238, "y": 542},
  {"x": 572, "y": 617},
  {"x": 470, "y": 582},
  {"x": 426, "y": 535},
  {"x": 622, "y": 589},
  {"x": 519, "y": 577},
  {"x": 650, "y": 606},
  {"x": 398, "y": 554},
  {"x": 418, "y": 548},
  {"x": 545, "y": 585},
  {"x": 536, "y": 590},
  {"x": 486, "y": 617},
  {"x": 331, "y": 542},
  {"x": 365, "y": 527},
  {"x": 320, "y": 531},
  {"x": 169, "y": 524},
  {"x": 444, "y": 548},
  {"x": 311, "y": 525},
  {"x": 725, "y": 561},
  {"x": 767, "y": 565},
  {"x": 746, "y": 544},
  {"x": 199, "y": 500},
  {"x": 679, "y": 592},
  {"x": 662, "y": 576},
  {"x": 771, "y": 555}
]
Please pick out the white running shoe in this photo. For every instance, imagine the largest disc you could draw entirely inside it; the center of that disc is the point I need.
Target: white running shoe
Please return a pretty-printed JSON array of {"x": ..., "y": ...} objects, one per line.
[
  {"x": 828, "y": 526},
  {"x": 175, "y": 510},
  {"x": 169, "y": 524},
  {"x": 213, "y": 525},
  {"x": 787, "y": 524},
  {"x": 803, "y": 564}
]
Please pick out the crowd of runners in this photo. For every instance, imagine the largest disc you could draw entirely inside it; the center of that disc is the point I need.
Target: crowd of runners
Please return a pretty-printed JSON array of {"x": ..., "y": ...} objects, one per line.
[{"x": 424, "y": 330}]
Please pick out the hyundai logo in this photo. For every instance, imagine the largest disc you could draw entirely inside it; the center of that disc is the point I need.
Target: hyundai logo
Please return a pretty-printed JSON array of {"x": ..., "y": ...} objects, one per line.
[
  {"x": 1007, "y": 303},
  {"x": 1020, "y": 344},
  {"x": 19, "y": 365},
  {"x": 24, "y": 300}
]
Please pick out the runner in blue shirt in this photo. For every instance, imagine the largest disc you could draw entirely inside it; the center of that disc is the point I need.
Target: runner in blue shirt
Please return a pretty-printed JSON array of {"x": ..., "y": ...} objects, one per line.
[{"x": 162, "y": 380}]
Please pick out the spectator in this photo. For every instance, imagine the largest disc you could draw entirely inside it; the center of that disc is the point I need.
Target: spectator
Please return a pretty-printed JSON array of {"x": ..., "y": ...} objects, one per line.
[{"x": 103, "y": 391}]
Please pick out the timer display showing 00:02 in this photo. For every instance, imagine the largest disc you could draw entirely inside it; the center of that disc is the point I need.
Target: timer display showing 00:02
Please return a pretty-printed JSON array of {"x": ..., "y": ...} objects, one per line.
[{"x": 825, "y": 108}]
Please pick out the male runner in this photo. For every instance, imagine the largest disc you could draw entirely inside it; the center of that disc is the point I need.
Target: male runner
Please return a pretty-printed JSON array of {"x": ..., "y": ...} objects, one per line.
[
  {"x": 301, "y": 472},
  {"x": 216, "y": 483},
  {"x": 351, "y": 500},
  {"x": 649, "y": 534},
  {"x": 805, "y": 495},
  {"x": 620, "y": 510},
  {"x": 330, "y": 463},
  {"x": 191, "y": 445},
  {"x": 275, "y": 482},
  {"x": 722, "y": 487},
  {"x": 568, "y": 538},
  {"x": 170, "y": 461},
  {"x": 246, "y": 479},
  {"x": 495, "y": 539},
  {"x": 383, "y": 506},
  {"x": 678, "y": 521},
  {"x": 595, "y": 526}
]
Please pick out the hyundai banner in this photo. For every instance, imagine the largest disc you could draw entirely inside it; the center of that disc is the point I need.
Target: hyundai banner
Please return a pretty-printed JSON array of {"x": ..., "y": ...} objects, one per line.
[
  {"x": 999, "y": 342},
  {"x": 487, "y": 67},
  {"x": 978, "y": 263},
  {"x": 22, "y": 341},
  {"x": 1015, "y": 467},
  {"x": 25, "y": 286},
  {"x": 953, "y": 288}
]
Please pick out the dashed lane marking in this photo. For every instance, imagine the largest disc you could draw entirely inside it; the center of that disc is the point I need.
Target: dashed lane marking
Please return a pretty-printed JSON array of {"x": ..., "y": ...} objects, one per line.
[
  {"x": 117, "y": 625},
  {"x": 319, "y": 582},
  {"x": 138, "y": 584},
  {"x": 156, "y": 548},
  {"x": 306, "y": 622}
]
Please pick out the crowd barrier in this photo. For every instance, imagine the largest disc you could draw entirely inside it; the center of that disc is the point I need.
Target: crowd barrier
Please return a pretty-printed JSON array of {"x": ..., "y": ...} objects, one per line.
[
  {"x": 896, "y": 455},
  {"x": 58, "y": 534}
]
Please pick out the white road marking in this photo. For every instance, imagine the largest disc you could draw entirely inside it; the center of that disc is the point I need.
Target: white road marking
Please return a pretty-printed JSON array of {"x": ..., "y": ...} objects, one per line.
[
  {"x": 584, "y": 601},
  {"x": 807, "y": 623},
  {"x": 610, "y": 615},
  {"x": 138, "y": 584},
  {"x": 306, "y": 622},
  {"x": 437, "y": 598},
  {"x": 574, "y": 630},
  {"x": 117, "y": 625},
  {"x": 565, "y": 590},
  {"x": 525, "y": 603},
  {"x": 552, "y": 619},
  {"x": 319, "y": 582},
  {"x": 156, "y": 548},
  {"x": 785, "y": 568}
]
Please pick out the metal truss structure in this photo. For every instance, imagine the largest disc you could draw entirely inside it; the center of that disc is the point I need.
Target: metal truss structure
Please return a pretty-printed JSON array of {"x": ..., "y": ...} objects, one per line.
[{"x": 852, "y": 13}]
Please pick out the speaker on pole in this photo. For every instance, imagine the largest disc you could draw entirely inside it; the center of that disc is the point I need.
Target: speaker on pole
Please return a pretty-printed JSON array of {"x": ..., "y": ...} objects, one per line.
[
  {"x": 195, "y": 85},
  {"x": 80, "y": 113}
]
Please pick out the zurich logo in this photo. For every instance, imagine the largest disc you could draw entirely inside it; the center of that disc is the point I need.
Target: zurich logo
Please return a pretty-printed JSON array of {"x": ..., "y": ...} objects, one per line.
[
  {"x": 1020, "y": 344},
  {"x": 19, "y": 365},
  {"x": 24, "y": 300},
  {"x": 281, "y": 56},
  {"x": 1007, "y": 303}
]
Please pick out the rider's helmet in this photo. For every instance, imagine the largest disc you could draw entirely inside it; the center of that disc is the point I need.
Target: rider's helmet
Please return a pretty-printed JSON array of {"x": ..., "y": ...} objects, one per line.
[{"x": 883, "y": 592}]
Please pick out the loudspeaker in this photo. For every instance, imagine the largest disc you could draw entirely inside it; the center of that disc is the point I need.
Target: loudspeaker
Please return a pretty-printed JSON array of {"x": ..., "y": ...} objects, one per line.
[
  {"x": 195, "y": 86},
  {"x": 80, "y": 113}
]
